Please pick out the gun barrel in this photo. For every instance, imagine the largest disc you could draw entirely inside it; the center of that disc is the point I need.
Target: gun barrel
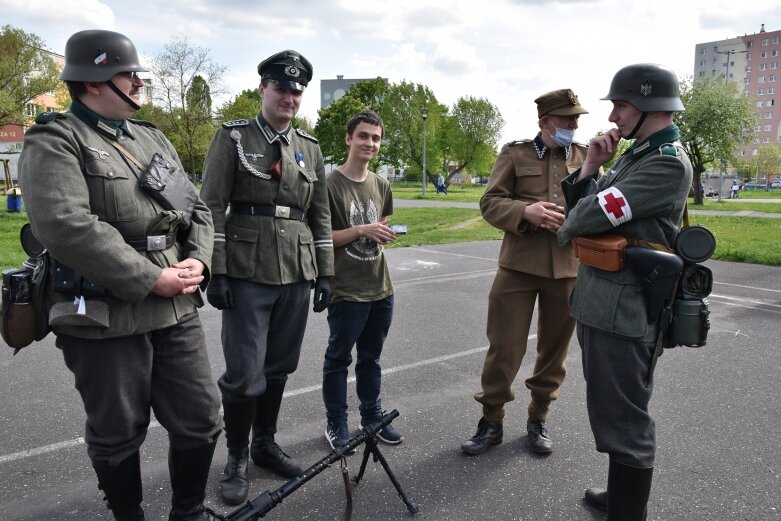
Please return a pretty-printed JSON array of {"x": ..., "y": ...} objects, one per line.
[{"x": 267, "y": 500}]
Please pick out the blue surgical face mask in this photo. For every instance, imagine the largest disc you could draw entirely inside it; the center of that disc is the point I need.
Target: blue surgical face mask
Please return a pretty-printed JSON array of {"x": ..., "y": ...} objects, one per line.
[{"x": 563, "y": 137}]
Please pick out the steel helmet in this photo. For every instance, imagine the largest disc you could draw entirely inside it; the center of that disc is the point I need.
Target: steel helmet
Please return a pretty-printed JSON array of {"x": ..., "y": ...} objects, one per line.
[
  {"x": 97, "y": 56},
  {"x": 648, "y": 87}
]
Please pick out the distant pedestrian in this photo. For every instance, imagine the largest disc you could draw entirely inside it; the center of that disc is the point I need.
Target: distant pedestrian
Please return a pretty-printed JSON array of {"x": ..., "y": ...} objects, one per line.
[
  {"x": 441, "y": 184},
  {"x": 734, "y": 194}
]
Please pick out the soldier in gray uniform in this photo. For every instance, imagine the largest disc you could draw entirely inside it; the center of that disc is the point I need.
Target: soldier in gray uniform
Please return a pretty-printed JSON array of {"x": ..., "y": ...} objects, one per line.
[
  {"x": 642, "y": 198},
  {"x": 265, "y": 185},
  {"x": 125, "y": 278}
]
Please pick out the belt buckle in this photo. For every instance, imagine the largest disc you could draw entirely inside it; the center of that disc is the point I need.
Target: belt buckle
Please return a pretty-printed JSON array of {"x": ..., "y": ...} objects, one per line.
[
  {"x": 282, "y": 211},
  {"x": 155, "y": 242}
]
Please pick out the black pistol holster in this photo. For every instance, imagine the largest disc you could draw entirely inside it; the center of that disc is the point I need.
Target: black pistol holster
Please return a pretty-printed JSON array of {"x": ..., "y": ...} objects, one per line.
[{"x": 659, "y": 273}]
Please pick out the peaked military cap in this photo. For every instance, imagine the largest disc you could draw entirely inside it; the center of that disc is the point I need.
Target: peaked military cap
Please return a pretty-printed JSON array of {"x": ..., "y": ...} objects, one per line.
[
  {"x": 562, "y": 102},
  {"x": 288, "y": 68}
]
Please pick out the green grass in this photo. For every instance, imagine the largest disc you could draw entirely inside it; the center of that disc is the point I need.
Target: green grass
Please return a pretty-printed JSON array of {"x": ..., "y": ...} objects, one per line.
[
  {"x": 738, "y": 239},
  {"x": 441, "y": 225},
  {"x": 744, "y": 239},
  {"x": 11, "y": 253},
  {"x": 461, "y": 193},
  {"x": 739, "y": 205}
]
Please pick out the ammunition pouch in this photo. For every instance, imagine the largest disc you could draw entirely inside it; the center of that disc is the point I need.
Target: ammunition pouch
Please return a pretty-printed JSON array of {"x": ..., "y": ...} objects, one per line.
[{"x": 70, "y": 282}]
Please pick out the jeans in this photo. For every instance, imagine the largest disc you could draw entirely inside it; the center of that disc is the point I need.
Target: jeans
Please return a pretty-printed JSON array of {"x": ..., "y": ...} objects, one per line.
[{"x": 364, "y": 325}]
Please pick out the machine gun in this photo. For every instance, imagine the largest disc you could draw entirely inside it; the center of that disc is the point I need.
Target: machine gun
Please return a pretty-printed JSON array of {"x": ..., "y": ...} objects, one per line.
[{"x": 265, "y": 502}]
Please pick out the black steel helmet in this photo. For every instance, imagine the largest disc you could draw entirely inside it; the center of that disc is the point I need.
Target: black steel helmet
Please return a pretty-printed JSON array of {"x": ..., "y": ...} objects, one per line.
[
  {"x": 648, "y": 87},
  {"x": 97, "y": 55}
]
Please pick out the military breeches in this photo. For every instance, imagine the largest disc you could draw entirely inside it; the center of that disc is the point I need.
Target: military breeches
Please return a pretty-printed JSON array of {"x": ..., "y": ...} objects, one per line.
[
  {"x": 510, "y": 308},
  {"x": 619, "y": 384},
  {"x": 262, "y": 336},
  {"x": 119, "y": 379}
]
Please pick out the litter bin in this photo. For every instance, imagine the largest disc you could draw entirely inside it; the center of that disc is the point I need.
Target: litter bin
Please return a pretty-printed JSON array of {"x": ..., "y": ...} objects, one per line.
[{"x": 14, "y": 198}]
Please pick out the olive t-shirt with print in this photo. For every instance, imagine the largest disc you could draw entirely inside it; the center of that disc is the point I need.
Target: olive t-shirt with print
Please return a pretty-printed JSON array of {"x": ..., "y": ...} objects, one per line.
[{"x": 360, "y": 269}]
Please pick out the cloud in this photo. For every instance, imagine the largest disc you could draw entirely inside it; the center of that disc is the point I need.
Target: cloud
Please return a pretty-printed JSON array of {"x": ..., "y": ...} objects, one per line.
[{"x": 84, "y": 13}]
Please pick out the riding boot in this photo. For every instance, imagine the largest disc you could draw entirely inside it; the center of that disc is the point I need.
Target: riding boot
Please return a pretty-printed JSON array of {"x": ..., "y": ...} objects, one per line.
[
  {"x": 189, "y": 472},
  {"x": 237, "y": 415},
  {"x": 628, "y": 489},
  {"x": 122, "y": 486},
  {"x": 264, "y": 451}
]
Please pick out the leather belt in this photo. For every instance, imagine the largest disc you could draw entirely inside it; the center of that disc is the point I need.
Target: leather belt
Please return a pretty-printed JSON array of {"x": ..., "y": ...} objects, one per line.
[
  {"x": 268, "y": 210},
  {"x": 152, "y": 242}
]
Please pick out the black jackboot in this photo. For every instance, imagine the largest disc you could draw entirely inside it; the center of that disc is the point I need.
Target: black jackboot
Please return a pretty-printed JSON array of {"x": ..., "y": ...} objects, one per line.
[
  {"x": 122, "y": 486},
  {"x": 265, "y": 452},
  {"x": 628, "y": 489},
  {"x": 237, "y": 415},
  {"x": 189, "y": 471}
]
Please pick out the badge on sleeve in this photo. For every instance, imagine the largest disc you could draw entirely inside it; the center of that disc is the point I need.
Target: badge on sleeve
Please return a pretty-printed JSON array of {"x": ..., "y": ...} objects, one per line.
[
  {"x": 300, "y": 159},
  {"x": 615, "y": 206}
]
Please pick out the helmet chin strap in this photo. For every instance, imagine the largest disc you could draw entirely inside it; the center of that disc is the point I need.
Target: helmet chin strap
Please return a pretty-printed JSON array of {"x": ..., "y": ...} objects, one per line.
[
  {"x": 123, "y": 96},
  {"x": 637, "y": 127}
]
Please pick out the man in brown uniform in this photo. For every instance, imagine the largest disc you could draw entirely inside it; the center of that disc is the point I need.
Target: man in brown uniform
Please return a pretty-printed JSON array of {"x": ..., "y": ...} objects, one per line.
[{"x": 524, "y": 199}]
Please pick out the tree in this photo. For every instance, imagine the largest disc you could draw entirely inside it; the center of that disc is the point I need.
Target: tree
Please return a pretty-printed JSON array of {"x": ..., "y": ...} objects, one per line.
[
  {"x": 187, "y": 78},
  {"x": 717, "y": 120},
  {"x": 469, "y": 135},
  {"x": 26, "y": 72},
  {"x": 244, "y": 105},
  {"x": 769, "y": 162},
  {"x": 331, "y": 124}
]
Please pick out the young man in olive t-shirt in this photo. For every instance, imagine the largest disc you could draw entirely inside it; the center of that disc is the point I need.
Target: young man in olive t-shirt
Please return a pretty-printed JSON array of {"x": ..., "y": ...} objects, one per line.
[{"x": 361, "y": 310}]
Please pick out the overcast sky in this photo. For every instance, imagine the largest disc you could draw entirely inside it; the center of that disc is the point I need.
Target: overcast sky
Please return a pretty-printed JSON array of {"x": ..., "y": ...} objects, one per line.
[{"x": 508, "y": 51}]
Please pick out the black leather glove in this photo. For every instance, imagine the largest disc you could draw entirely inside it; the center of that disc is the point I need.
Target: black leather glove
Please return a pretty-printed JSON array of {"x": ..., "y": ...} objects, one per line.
[
  {"x": 218, "y": 293},
  {"x": 323, "y": 294}
]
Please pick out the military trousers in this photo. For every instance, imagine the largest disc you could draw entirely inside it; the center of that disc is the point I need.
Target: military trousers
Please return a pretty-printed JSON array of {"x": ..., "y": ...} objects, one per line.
[
  {"x": 262, "y": 336},
  {"x": 619, "y": 383},
  {"x": 121, "y": 378},
  {"x": 511, "y": 303}
]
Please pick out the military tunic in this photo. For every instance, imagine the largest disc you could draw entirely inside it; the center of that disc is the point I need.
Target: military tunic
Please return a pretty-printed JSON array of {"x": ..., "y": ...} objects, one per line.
[
  {"x": 270, "y": 261},
  {"x": 532, "y": 265},
  {"x": 84, "y": 202},
  {"x": 267, "y": 249},
  {"x": 642, "y": 198}
]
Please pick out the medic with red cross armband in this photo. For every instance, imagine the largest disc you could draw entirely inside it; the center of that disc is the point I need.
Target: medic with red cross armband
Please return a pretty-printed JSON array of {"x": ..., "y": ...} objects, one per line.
[{"x": 641, "y": 198}]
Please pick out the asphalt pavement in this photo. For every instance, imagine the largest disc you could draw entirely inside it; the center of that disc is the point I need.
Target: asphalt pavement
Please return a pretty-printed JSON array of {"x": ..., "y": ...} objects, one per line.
[{"x": 717, "y": 410}]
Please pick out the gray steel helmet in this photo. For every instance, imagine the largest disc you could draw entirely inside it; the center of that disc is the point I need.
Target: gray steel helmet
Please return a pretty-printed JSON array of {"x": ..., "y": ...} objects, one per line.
[
  {"x": 97, "y": 55},
  {"x": 648, "y": 87}
]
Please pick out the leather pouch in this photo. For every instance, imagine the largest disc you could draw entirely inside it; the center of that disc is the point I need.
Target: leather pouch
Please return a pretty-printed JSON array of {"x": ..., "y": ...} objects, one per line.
[
  {"x": 605, "y": 252},
  {"x": 168, "y": 186}
]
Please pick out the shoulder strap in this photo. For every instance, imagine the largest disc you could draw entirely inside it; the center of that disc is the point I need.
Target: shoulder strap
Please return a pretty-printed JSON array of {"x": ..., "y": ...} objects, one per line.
[{"x": 127, "y": 154}]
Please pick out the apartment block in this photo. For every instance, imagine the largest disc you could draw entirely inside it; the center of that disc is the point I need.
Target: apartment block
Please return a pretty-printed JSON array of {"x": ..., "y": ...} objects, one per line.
[{"x": 752, "y": 63}]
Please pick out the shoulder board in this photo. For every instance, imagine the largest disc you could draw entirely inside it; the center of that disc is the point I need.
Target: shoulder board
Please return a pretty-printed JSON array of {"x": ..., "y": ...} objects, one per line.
[
  {"x": 304, "y": 134},
  {"x": 579, "y": 144},
  {"x": 668, "y": 149},
  {"x": 517, "y": 142},
  {"x": 142, "y": 122},
  {"x": 47, "y": 117},
  {"x": 236, "y": 123}
]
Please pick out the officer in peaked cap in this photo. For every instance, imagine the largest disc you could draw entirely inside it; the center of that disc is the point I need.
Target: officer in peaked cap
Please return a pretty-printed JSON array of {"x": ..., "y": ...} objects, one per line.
[
  {"x": 642, "y": 198},
  {"x": 270, "y": 249},
  {"x": 524, "y": 198},
  {"x": 288, "y": 69}
]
